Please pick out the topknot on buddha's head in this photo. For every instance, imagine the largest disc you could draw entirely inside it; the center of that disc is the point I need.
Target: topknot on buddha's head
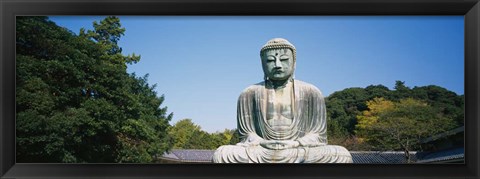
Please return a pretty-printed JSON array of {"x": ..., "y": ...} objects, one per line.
[{"x": 279, "y": 43}]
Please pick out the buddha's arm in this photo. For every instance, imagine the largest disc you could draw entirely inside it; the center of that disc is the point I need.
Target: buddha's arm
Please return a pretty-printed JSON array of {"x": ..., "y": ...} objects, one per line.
[
  {"x": 245, "y": 119},
  {"x": 311, "y": 140},
  {"x": 251, "y": 139},
  {"x": 315, "y": 123}
]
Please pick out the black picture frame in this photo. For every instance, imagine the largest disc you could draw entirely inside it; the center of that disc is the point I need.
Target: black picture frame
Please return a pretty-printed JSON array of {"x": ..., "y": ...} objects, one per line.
[{"x": 10, "y": 9}]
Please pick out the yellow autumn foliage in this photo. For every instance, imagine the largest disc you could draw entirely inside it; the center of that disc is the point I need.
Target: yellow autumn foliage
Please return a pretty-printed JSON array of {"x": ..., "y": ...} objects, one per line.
[{"x": 376, "y": 107}]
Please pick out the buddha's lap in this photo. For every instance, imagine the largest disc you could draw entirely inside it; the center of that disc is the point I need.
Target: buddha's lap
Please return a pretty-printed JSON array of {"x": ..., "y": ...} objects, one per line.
[{"x": 302, "y": 154}]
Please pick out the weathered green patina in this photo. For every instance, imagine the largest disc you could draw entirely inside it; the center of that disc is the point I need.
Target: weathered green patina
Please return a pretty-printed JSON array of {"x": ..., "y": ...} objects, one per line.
[{"x": 281, "y": 120}]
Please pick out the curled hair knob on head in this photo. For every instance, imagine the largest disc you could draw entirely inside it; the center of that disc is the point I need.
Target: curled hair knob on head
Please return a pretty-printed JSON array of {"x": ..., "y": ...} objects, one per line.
[{"x": 279, "y": 43}]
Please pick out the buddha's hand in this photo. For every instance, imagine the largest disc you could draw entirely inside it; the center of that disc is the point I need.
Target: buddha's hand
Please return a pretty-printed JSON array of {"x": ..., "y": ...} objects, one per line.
[
  {"x": 279, "y": 144},
  {"x": 251, "y": 140}
]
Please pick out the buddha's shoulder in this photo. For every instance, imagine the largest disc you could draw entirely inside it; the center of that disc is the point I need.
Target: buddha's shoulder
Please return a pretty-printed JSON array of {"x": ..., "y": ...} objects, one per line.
[
  {"x": 254, "y": 87},
  {"x": 306, "y": 86}
]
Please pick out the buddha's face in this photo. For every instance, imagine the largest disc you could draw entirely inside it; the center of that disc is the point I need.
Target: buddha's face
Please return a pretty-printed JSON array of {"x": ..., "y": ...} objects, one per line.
[{"x": 278, "y": 64}]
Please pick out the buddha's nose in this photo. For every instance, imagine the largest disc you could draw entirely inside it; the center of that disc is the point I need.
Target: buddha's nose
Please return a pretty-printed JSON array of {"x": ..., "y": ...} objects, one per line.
[{"x": 278, "y": 64}]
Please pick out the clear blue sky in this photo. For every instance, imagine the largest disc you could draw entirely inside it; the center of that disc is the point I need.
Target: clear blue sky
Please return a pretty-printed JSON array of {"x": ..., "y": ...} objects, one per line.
[{"x": 201, "y": 64}]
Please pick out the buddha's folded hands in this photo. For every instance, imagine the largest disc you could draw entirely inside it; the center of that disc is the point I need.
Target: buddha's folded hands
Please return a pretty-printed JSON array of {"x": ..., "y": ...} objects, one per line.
[{"x": 279, "y": 144}]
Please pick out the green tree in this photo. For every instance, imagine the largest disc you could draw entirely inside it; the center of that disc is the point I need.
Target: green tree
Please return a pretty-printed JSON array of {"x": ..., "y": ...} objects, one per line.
[
  {"x": 378, "y": 91},
  {"x": 223, "y": 138},
  {"x": 235, "y": 137},
  {"x": 188, "y": 135},
  {"x": 200, "y": 140},
  {"x": 182, "y": 132},
  {"x": 401, "y": 91},
  {"x": 343, "y": 107},
  {"x": 75, "y": 100},
  {"x": 376, "y": 107},
  {"x": 388, "y": 125},
  {"x": 450, "y": 104}
]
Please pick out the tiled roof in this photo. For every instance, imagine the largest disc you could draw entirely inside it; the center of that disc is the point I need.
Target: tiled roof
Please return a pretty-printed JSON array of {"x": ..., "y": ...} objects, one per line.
[
  {"x": 170, "y": 155},
  {"x": 444, "y": 134},
  {"x": 366, "y": 157},
  {"x": 190, "y": 155},
  {"x": 362, "y": 157},
  {"x": 452, "y": 154},
  {"x": 378, "y": 157}
]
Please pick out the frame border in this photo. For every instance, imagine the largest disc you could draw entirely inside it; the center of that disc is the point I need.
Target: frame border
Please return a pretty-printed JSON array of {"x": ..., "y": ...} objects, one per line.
[{"x": 10, "y": 9}]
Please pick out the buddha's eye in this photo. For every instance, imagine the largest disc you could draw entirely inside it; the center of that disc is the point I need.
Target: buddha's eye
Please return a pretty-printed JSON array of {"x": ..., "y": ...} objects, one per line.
[
  {"x": 270, "y": 59},
  {"x": 283, "y": 58}
]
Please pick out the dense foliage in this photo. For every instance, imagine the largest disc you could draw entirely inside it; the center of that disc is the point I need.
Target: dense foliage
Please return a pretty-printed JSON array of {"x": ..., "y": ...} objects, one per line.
[
  {"x": 188, "y": 135},
  {"x": 75, "y": 101},
  {"x": 366, "y": 118},
  {"x": 388, "y": 125}
]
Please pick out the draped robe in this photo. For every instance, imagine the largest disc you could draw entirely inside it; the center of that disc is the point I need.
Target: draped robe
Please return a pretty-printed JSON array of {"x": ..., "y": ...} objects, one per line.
[{"x": 309, "y": 128}]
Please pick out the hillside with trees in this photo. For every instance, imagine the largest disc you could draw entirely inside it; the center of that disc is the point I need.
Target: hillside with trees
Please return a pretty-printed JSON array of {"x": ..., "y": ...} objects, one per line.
[{"x": 377, "y": 118}]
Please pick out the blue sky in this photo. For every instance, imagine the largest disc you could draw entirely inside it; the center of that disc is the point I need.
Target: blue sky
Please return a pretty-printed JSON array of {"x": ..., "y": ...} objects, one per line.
[{"x": 202, "y": 63}]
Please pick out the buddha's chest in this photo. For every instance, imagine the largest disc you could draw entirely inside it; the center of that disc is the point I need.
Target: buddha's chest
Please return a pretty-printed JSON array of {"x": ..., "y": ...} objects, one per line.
[{"x": 279, "y": 108}]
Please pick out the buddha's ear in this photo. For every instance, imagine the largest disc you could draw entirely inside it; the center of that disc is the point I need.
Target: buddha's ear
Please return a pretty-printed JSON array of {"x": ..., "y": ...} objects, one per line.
[
  {"x": 294, "y": 55},
  {"x": 294, "y": 67}
]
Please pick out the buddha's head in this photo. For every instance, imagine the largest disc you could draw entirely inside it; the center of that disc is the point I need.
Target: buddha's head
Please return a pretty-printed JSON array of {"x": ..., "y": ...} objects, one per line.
[{"x": 278, "y": 59}]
